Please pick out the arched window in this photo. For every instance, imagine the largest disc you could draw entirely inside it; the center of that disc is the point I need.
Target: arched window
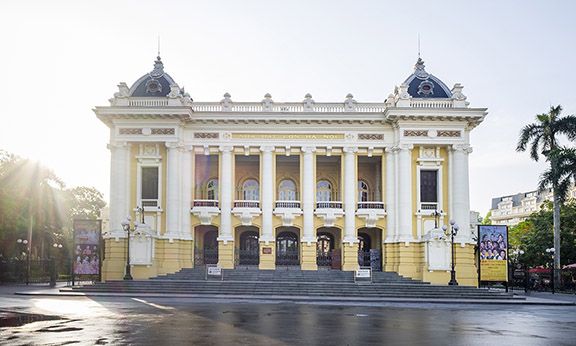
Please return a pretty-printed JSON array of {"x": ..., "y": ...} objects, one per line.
[
  {"x": 323, "y": 191},
  {"x": 287, "y": 190},
  {"x": 362, "y": 191},
  {"x": 250, "y": 190},
  {"x": 212, "y": 189}
]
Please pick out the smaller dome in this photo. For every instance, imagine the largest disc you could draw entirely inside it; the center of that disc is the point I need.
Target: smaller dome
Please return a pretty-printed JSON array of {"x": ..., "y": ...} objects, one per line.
[
  {"x": 154, "y": 84},
  {"x": 422, "y": 84}
]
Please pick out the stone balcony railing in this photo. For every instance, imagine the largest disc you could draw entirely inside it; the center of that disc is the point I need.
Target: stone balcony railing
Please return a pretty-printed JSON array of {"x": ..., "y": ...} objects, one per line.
[{"x": 288, "y": 107}]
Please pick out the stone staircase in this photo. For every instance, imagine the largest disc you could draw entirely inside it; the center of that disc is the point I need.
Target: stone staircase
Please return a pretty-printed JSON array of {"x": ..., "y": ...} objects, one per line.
[{"x": 291, "y": 283}]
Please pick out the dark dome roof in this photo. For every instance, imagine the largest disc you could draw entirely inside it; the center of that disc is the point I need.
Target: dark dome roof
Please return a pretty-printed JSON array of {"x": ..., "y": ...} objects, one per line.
[
  {"x": 154, "y": 84},
  {"x": 421, "y": 84}
]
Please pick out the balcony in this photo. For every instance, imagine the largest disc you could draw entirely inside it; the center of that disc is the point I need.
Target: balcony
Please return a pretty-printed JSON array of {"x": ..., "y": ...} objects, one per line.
[
  {"x": 205, "y": 203},
  {"x": 288, "y": 204},
  {"x": 287, "y": 210},
  {"x": 371, "y": 212},
  {"x": 428, "y": 208},
  {"x": 205, "y": 210},
  {"x": 329, "y": 211},
  {"x": 246, "y": 204},
  {"x": 246, "y": 210},
  {"x": 329, "y": 204},
  {"x": 150, "y": 204},
  {"x": 371, "y": 205}
]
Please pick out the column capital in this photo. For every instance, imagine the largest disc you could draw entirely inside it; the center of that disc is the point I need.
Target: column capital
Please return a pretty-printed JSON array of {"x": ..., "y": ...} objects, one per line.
[
  {"x": 172, "y": 145},
  {"x": 226, "y": 148},
  {"x": 405, "y": 146},
  {"x": 267, "y": 148},
  {"x": 391, "y": 149},
  {"x": 308, "y": 150},
  {"x": 465, "y": 148},
  {"x": 350, "y": 150},
  {"x": 118, "y": 145}
]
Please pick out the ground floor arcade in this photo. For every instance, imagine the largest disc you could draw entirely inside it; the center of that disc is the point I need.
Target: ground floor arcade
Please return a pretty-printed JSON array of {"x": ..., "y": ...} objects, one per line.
[{"x": 246, "y": 249}]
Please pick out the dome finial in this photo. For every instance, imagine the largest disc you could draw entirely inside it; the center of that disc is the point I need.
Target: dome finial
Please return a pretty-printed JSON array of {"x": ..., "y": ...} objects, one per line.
[
  {"x": 158, "y": 47},
  {"x": 419, "y": 69},
  {"x": 158, "y": 70}
]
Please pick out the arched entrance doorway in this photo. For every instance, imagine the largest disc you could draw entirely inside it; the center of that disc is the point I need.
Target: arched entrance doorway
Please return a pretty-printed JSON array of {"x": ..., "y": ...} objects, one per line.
[
  {"x": 328, "y": 253},
  {"x": 249, "y": 250},
  {"x": 324, "y": 247},
  {"x": 287, "y": 247},
  {"x": 369, "y": 248},
  {"x": 206, "y": 247}
]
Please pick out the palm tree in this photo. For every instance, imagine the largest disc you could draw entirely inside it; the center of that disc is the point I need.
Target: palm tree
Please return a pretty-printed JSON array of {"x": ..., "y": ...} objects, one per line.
[
  {"x": 565, "y": 173},
  {"x": 542, "y": 137}
]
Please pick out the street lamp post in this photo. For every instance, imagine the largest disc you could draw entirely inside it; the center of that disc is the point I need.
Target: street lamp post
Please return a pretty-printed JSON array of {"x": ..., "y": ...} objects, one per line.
[
  {"x": 453, "y": 231},
  {"x": 552, "y": 283},
  {"x": 127, "y": 228},
  {"x": 53, "y": 267},
  {"x": 517, "y": 265},
  {"x": 25, "y": 243}
]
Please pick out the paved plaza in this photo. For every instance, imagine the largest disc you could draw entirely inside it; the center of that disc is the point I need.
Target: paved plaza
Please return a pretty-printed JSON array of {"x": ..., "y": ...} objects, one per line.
[{"x": 184, "y": 321}]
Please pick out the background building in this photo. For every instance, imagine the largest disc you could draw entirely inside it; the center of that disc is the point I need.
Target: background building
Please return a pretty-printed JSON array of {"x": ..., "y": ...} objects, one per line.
[
  {"x": 304, "y": 184},
  {"x": 512, "y": 209}
]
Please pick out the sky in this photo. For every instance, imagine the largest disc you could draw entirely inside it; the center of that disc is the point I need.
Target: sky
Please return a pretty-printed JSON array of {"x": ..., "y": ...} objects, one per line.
[{"x": 60, "y": 59}]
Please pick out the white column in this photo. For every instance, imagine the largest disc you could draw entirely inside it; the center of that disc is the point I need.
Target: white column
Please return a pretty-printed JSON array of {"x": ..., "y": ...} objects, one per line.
[
  {"x": 226, "y": 186},
  {"x": 350, "y": 183},
  {"x": 405, "y": 193},
  {"x": 460, "y": 192},
  {"x": 267, "y": 198},
  {"x": 186, "y": 232},
  {"x": 390, "y": 195},
  {"x": 308, "y": 194},
  {"x": 119, "y": 185},
  {"x": 173, "y": 191}
]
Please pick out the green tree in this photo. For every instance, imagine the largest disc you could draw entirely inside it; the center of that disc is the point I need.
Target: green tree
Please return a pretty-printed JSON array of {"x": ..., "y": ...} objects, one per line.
[
  {"x": 536, "y": 234},
  {"x": 486, "y": 220},
  {"x": 542, "y": 138},
  {"x": 29, "y": 195},
  {"x": 34, "y": 205},
  {"x": 84, "y": 203}
]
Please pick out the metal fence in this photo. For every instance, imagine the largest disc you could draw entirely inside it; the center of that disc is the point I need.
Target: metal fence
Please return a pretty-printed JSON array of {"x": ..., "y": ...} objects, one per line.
[
  {"x": 34, "y": 271},
  {"x": 540, "y": 279}
]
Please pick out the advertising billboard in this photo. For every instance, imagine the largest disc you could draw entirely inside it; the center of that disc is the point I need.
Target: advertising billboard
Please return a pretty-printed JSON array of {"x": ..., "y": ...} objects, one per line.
[
  {"x": 87, "y": 247},
  {"x": 493, "y": 252}
]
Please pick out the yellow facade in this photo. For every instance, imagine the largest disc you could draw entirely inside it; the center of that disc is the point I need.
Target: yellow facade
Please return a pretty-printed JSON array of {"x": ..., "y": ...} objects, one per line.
[{"x": 407, "y": 259}]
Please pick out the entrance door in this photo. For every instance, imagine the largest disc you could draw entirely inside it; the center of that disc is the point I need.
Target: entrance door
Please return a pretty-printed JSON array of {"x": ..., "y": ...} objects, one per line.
[
  {"x": 249, "y": 248},
  {"x": 324, "y": 249},
  {"x": 287, "y": 252},
  {"x": 211, "y": 247},
  {"x": 364, "y": 246}
]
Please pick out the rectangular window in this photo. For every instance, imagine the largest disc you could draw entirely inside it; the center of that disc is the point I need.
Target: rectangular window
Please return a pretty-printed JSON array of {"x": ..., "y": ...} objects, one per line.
[
  {"x": 149, "y": 183},
  {"x": 429, "y": 186}
]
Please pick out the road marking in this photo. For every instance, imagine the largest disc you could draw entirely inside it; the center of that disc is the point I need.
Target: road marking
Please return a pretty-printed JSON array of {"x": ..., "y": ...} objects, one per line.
[{"x": 157, "y": 306}]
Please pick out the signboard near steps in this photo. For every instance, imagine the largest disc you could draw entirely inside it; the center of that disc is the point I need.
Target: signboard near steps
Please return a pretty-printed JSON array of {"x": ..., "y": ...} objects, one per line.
[
  {"x": 214, "y": 270},
  {"x": 363, "y": 274}
]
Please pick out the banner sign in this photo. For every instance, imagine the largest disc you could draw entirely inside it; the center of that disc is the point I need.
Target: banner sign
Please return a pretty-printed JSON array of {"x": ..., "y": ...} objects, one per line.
[
  {"x": 87, "y": 247},
  {"x": 493, "y": 252}
]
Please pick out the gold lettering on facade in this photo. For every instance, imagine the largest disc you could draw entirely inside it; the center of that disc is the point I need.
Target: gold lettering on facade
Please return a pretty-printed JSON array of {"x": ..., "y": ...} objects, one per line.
[{"x": 305, "y": 136}]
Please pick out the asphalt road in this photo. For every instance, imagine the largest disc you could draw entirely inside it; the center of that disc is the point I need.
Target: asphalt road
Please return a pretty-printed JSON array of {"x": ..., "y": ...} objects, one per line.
[{"x": 177, "y": 321}]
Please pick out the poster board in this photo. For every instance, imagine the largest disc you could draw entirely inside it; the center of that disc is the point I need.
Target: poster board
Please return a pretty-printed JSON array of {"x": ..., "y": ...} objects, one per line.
[
  {"x": 87, "y": 248},
  {"x": 493, "y": 253}
]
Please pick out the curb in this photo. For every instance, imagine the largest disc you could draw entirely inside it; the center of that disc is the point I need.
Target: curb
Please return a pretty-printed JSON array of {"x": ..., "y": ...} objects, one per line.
[{"x": 512, "y": 301}]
